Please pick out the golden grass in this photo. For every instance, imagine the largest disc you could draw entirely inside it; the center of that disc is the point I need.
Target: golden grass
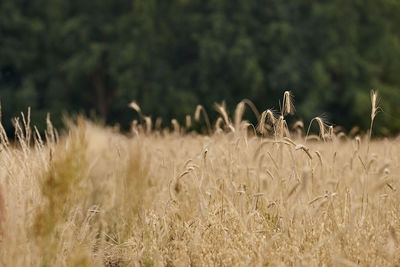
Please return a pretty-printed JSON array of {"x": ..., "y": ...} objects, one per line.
[{"x": 95, "y": 197}]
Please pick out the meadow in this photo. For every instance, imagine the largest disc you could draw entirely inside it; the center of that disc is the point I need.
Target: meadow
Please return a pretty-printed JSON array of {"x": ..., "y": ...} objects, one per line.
[{"x": 239, "y": 194}]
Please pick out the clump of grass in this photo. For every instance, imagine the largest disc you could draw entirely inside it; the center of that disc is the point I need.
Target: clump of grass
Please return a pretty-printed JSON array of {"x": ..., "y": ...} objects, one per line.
[{"x": 61, "y": 190}]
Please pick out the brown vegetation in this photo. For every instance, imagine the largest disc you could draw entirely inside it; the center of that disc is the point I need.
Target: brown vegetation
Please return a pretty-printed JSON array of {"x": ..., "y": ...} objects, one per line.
[{"x": 95, "y": 197}]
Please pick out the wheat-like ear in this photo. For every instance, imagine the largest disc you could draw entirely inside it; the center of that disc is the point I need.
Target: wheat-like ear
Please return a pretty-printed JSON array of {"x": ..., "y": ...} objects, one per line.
[
  {"x": 374, "y": 111},
  {"x": 197, "y": 112},
  {"x": 143, "y": 119},
  {"x": 261, "y": 125},
  {"x": 222, "y": 110},
  {"x": 133, "y": 105},
  {"x": 267, "y": 116},
  {"x": 321, "y": 126},
  {"x": 271, "y": 117},
  {"x": 200, "y": 108},
  {"x": 375, "y": 108},
  {"x": 281, "y": 127},
  {"x": 239, "y": 111},
  {"x": 288, "y": 107}
]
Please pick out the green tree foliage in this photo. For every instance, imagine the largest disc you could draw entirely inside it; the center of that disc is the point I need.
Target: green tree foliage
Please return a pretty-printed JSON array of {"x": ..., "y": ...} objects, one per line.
[{"x": 96, "y": 56}]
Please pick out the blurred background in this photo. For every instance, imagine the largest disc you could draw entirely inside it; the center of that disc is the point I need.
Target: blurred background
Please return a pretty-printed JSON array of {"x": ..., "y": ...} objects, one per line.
[{"x": 95, "y": 56}]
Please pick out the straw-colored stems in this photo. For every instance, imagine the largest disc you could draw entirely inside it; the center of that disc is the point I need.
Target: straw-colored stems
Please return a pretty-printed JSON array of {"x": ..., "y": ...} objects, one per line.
[
  {"x": 321, "y": 126},
  {"x": 374, "y": 111},
  {"x": 281, "y": 128},
  {"x": 261, "y": 125},
  {"x": 252, "y": 107},
  {"x": 305, "y": 149},
  {"x": 218, "y": 124},
  {"x": 133, "y": 105},
  {"x": 222, "y": 110},
  {"x": 200, "y": 109}
]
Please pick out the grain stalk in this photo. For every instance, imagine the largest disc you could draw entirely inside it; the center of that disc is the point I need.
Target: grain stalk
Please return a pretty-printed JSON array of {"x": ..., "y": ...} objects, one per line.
[
  {"x": 374, "y": 112},
  {"x": 199, "y": 109}
]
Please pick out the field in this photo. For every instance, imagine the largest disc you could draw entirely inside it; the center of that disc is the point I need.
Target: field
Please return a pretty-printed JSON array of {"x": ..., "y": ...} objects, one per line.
[{"x": 268, "y": 195}]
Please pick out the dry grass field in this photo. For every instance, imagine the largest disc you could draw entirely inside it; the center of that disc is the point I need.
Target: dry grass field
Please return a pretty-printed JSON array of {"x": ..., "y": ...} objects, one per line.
[{"x": 95, "y": 197}]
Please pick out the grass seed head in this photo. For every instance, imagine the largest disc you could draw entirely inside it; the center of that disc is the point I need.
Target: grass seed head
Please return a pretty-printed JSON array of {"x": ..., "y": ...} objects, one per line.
[
  {"x": 133, "y": 105},
  {"x": 271, "y": 117},
  {"x": 375, "y": 108},
  {"x": 261, "y": 125},
  {"x": 321, "y": 126},
  {"x": 197, "y": 112},
  {"x": 288, "y": 107}
]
